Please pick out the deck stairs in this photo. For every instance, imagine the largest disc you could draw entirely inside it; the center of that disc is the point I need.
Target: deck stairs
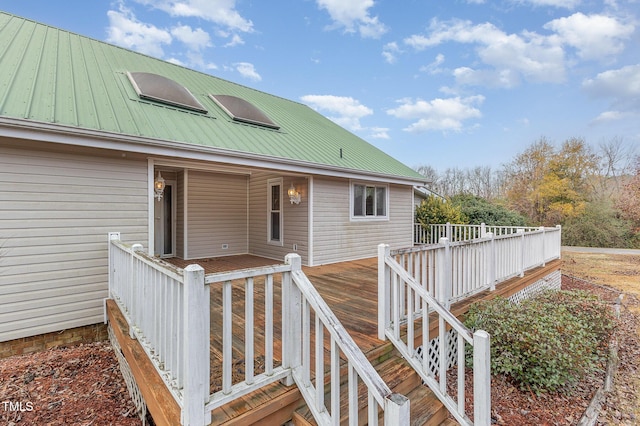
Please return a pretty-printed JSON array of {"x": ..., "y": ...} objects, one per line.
[{"x": 426, "y": 409}]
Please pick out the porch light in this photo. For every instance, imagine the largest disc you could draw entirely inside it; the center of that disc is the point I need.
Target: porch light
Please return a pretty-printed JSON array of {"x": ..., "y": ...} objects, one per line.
[
  {"x": 294, "y": 196},
  {"x": 158, "y": 186}
]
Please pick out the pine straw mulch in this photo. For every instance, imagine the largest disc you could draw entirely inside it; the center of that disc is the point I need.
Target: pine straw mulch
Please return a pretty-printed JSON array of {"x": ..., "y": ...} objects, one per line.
[
  {"x": 512, "y": 406},
  {"x": 82, "y": 385}
]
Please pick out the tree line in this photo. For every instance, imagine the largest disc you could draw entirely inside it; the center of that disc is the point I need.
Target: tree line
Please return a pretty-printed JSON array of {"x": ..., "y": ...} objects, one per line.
[{"x": 593, "y": 192}]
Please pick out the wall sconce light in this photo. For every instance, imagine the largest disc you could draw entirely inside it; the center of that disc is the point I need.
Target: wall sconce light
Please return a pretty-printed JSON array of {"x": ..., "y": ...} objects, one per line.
[
  {"x": 158, "y": 186},
  {"x": 294, "y": 196}
]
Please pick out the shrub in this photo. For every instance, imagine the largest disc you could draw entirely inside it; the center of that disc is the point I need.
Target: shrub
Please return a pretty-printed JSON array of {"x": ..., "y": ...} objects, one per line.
[{"x": 548, "y": 342}]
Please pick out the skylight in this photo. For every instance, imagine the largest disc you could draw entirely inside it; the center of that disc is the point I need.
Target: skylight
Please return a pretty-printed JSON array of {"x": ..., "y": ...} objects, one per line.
[
  {"x": 163, "y": 89},
  {"x": 241, "y": 110}
]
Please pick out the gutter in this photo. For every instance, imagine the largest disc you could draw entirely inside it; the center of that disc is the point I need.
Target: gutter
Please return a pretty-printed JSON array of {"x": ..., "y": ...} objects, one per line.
[{"x": 46, "y": 132}]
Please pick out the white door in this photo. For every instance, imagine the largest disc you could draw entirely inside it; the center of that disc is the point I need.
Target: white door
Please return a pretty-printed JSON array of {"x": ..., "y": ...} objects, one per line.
[{"x": 165, "y": 222}]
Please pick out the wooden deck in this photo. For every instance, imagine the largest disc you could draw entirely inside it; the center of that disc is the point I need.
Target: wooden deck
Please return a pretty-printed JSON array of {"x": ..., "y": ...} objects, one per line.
[{"x": 350, "y": 290}]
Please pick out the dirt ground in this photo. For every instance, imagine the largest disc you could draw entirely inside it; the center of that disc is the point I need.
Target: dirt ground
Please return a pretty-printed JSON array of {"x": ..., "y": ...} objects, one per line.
[
  {"x": 83, "y": 386},
  {"x": 621, "y": 273}
]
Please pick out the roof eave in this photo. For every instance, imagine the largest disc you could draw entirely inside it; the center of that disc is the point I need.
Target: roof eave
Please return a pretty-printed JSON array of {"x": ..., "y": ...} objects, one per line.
[{"x": 58, "y": 133}]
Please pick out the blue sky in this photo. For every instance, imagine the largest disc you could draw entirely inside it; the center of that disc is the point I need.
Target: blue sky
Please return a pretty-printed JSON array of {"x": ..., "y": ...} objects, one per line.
[{"x": 446, "y": 83}]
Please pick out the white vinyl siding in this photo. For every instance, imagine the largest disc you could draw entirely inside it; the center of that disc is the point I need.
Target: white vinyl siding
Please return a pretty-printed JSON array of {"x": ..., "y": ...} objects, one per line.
[
  {"x": 56, "y": 209},
  {"x": 337, "y": 238},
  {"x": 217, "y": 214},
  {"x": 295, "y": 218}
]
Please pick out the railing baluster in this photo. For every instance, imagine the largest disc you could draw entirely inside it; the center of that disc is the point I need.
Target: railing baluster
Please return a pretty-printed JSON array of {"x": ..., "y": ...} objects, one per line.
[
  {"x": 335, "y": 382},
  {"x": 319, "y": 364},
  {"x": 306, "y": 343},
  {"x": 227, "y": 342},
  {"x": 248, "y": 331},
  {"x": 268, "y": 326},
  {"x": 353, "y": 395}
]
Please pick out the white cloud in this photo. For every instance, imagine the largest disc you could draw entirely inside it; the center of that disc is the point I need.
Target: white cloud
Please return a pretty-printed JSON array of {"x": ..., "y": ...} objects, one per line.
[
  {"x": 434, "y": 67},
  {"x": 390, "y": 52},
  {"x": 567, "y": 4},
  {"x": 610, "y": 116},
  {"x": 594, "y": 36},
  {"x": 504, "y": 78},
  {"x": 221, "y": 12},
  {"x": 353, "y": 15},
  {"x": 621, "y": 85},
  {"x": 343, "y": 110},
  {"x": 247, "y": 70},
  {"x": 195, "y": 40},
  {"x": 437, "y": 114},
  {"x": 534, "y": 57},
  {"x": 236, "y": 40},
  {"x": 379, "y": 133},
  {"x": 126, "y": 31}
]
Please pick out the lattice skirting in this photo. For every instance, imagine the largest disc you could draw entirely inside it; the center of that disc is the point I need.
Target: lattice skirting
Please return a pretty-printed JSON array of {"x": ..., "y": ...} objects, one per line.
[
  {"x": 549, "y": 282},
  {"x": 132, "y": 386}
]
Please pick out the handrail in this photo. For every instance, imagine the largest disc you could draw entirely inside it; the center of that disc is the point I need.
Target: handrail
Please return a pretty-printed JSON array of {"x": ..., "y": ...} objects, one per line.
[
  {"x": 303, "y": 298},
  {"x": 402, "y": 301}
]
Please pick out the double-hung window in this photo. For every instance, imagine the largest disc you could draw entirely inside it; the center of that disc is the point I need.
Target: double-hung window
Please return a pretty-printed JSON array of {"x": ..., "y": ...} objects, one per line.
[
  {"x": 274, "y": 231},
  {"x": 369, "y": 201}
]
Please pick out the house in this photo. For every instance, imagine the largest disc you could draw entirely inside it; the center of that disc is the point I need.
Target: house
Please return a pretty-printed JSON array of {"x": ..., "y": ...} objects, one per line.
[{"x": 96, "y": 138}]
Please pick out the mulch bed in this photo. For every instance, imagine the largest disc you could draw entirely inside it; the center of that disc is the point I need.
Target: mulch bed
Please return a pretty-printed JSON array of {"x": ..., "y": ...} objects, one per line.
[
  {"x": 513, "y": 406},
  {"x": 82, "y": 385}
]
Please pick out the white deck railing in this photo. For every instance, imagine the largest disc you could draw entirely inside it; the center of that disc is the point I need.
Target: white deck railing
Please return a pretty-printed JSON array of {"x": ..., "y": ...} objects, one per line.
[
  {"x": 470, "y": 266},
  {"x": 431, "y": 234},
  {"x": 402, "y": 302},
  {"x": 168, "y": 311}
]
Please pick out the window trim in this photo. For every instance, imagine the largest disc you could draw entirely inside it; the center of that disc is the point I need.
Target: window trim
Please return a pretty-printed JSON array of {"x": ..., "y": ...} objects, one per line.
[
  {"x": 364, "y": 217},
  {"x": 270, "y": 184}
]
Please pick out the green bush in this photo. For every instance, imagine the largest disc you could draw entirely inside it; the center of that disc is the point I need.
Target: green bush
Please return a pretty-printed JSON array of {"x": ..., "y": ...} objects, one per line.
[{"x": 547, "y": 342}]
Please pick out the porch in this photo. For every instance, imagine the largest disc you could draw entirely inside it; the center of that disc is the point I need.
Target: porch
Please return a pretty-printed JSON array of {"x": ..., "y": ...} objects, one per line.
[{"x": 351, "y": 292}]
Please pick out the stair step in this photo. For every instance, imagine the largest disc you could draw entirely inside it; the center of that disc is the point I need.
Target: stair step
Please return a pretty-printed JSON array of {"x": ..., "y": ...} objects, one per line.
[{"x": 426, "y": 409}]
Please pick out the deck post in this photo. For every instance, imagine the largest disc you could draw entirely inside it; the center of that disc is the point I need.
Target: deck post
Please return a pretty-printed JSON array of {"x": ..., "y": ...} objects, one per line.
[
  {"x": 133, "y": 288},
  {"x": 397, "y": 410},
  {"x": 544, "y": 253},
  {"x": 492, "y": 261},
  {"x": 481, "y": 378},
  {"x": 384, "y": 290},
  {"x": 483, "y": 230},
  {"x": 111, "y": 236},
  {"x": 444, "y": 283},
  {"x": 291, "y": 318},
  {"x": 522, "y": 251},
  {"x": 196, "y": 347}
]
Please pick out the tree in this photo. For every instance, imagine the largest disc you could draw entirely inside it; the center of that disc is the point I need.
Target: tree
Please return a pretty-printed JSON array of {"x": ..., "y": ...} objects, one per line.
[
  {"x": 434, "y": 210},
  {"x": 629, "y": 201},
  {"x": 478, "y": 210},
  {"x": 550, "y": 186}
]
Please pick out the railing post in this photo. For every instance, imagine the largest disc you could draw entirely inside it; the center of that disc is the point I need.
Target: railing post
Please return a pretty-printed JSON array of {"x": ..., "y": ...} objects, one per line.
[
  {"x": 483, "y": 230},
  {"x": 196, "y": 347},
  {"x": 559, "y": 241},
  {"x": 448, "y": 232},
  {"x": 384, "y": 290},
  {"x": 111, "y": 237},
  {"x": 481, "y": 378},
  {"x": 443, "y": 286},
  {"x": 133, "y": 288},
  {"x": 492, "y": 261},
  {"x": 291, "y": 318},
  {"x": 521, "y": 232},
  {"x": 543, "y": 248},
  {"x": 397, "y": 410}
]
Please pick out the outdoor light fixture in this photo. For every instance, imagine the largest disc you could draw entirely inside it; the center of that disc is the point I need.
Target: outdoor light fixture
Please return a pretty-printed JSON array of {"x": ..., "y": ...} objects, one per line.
[
  {"x": 158, "y": 186},
  {"x": 294, "y": 196}
]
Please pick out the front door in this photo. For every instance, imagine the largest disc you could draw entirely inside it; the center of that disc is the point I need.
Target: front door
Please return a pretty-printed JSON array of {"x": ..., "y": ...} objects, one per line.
[{"x": 165, "y": 222}]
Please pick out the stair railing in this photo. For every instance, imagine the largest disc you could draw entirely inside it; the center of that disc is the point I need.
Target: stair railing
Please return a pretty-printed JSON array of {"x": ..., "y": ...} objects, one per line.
[
  {"x": 405, "y": 305},
  {"x": 302, "y": 302}
]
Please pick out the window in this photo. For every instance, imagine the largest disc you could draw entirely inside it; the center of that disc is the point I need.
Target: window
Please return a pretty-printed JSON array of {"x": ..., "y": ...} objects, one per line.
[
  {"x": 274, "y": 195},
  {"x": 369, "y": 201},
  {"x": 162, "y": 89}
]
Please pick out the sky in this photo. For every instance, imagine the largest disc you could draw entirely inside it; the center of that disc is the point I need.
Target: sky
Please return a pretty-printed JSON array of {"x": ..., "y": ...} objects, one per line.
[{"x": 444, "y": 83}]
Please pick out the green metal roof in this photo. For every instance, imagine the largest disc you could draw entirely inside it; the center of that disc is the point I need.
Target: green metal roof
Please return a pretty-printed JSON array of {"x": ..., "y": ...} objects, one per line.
[{"x": 52, "y": 76}]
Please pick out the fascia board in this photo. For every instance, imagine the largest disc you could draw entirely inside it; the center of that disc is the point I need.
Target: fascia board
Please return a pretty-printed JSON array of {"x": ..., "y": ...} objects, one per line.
[{"x": 46, "y": 132}]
